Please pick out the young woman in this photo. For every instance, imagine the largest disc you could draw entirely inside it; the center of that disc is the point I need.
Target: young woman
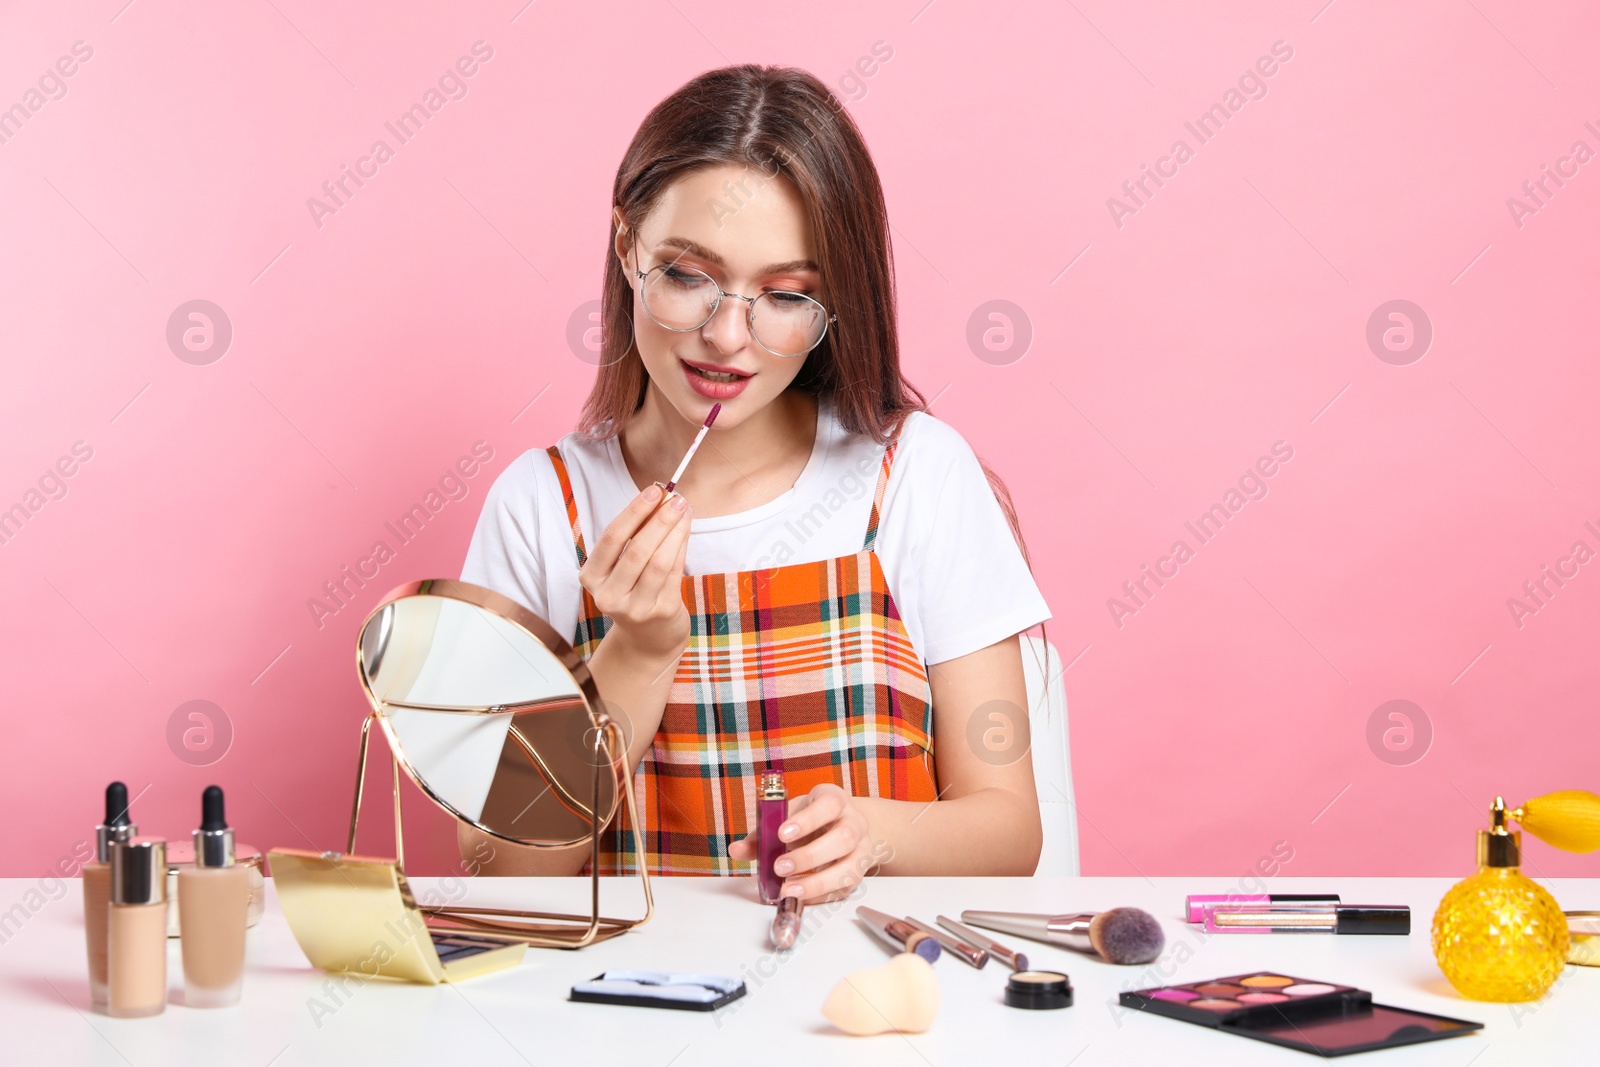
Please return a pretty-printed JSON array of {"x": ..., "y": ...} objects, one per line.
[{"x": 834, "y": 589}]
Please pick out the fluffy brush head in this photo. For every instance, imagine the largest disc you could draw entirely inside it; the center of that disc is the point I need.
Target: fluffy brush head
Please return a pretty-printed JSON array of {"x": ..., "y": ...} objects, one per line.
[{"x": 1126, "y": 935}]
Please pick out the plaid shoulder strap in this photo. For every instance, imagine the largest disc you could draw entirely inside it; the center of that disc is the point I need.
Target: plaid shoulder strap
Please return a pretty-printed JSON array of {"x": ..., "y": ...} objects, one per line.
[
  {"x": 883, "y": 484},
  {"x": 571, "y": 502}
]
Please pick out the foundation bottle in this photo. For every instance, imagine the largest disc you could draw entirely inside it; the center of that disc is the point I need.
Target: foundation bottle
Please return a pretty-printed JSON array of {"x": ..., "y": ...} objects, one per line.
[
  {"x": 136, "y": 929},
  {"x": 97, "y": 886},
  {"x": 213, "y": 906}
]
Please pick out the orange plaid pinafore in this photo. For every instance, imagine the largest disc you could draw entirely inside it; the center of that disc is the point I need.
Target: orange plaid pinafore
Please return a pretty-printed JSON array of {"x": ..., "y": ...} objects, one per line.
[{"x": 804, "y": 668}]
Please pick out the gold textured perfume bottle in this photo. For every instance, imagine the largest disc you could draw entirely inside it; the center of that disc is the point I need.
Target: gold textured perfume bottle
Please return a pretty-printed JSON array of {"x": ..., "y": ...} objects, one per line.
[{"x": 1497, "y": 934}]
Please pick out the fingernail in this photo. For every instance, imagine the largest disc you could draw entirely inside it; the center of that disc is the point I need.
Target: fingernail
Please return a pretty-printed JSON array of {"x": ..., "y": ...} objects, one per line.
[
  {"x": 786, "y": 831},
  {"x": 651, "y": 493},
  {"x": 678, "y": 503},
  {"x": 783, "y": 866},
  {"x": 792, "y": 889}
]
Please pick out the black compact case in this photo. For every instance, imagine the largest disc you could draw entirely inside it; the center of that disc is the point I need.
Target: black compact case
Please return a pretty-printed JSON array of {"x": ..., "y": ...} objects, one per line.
[
  {"x": 659, "y": 989},
  {"x": 1317, "y": 1017}
]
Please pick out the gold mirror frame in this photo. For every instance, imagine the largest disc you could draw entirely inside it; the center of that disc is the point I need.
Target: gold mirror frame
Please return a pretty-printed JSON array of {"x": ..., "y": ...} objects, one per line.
[{"x": 552, "y": 929}]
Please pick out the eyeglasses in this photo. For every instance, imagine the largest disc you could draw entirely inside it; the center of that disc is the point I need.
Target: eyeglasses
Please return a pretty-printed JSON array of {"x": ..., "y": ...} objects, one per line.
[{"x": 682, "y": 299}]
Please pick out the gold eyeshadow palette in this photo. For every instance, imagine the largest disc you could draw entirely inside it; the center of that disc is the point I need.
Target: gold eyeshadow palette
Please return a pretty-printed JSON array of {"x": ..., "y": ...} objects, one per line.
[{"x": 1318, "y": 1017}]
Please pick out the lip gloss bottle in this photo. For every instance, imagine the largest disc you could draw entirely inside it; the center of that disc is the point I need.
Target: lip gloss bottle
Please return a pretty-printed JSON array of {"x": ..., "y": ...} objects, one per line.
[{"x": 772, "y": 807}]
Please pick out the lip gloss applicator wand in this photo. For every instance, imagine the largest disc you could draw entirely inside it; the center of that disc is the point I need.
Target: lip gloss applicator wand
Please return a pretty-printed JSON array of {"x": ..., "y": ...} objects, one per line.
[{"x": 687, "y": 456}]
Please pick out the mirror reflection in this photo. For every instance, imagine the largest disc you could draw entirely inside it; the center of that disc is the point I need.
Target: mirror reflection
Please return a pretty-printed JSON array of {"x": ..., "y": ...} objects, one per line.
[{"x": 486, "y": 719}]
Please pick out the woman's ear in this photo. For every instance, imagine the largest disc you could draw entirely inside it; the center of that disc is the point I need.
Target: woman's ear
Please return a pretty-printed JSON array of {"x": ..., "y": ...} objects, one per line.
[{"x": 622, "y": 242}]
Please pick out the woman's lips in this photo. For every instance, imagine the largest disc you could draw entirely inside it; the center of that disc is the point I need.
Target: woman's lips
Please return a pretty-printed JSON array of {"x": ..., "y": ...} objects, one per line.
[{"x": 711, "y": 388}]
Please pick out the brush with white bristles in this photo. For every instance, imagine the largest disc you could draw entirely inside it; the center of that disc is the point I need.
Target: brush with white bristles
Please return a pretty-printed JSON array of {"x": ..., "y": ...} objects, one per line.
[{"x": 1121, "y": 935}]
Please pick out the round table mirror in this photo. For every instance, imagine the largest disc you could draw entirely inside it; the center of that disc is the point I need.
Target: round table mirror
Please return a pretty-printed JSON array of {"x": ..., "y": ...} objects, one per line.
[{"x": 490, "y": 712}]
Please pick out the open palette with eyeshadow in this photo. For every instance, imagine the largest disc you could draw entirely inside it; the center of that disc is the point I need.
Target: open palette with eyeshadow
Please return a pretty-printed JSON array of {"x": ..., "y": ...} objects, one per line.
[{"x": 1317, "y": 1017}]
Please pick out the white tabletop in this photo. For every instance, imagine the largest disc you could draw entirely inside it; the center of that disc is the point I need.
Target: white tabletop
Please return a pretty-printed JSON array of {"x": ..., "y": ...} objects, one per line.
[{"x": 292, "y": 1014}]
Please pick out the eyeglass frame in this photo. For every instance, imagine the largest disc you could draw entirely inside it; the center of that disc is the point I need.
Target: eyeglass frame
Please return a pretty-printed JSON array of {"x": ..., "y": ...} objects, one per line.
[{"x": 750, "y": 317}]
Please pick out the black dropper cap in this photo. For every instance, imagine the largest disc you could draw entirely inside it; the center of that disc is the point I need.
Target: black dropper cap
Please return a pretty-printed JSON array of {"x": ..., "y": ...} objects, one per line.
[
  {"x": 211, "y": 817},
  {"x": 213, "y": 841},
  {"x": 116, "y": 805},
  {"x": 117, "y": 826}
]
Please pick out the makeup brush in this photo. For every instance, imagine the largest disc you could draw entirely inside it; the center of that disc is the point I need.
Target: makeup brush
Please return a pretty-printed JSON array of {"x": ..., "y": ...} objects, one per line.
[
  {"x": 687, "y": 456},
  {"x": 1121, "y": 935}
]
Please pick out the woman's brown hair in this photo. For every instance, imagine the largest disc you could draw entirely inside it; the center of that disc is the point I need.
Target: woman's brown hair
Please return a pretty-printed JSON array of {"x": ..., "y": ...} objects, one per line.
[{"x": 778, "y": 121}]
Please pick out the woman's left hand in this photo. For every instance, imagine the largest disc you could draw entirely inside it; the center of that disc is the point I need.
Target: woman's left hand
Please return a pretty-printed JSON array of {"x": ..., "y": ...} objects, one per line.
[{"x": 830, "y": 846}]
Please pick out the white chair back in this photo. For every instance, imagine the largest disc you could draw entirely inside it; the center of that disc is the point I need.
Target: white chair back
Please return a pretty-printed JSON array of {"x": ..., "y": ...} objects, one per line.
[{"x": 1052, "y": 757}]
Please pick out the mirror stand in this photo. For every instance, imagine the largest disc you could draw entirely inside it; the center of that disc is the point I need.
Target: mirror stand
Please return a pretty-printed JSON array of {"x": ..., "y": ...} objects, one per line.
[{"x": 552, "y": 929}]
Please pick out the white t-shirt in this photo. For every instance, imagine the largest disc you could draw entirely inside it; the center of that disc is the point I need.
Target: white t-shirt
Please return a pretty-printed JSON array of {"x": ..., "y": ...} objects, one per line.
[{"x": 953, "y": 568}]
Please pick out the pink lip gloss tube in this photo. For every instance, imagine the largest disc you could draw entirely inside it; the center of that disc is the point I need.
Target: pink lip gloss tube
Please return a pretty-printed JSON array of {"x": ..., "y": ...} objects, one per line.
[
  {"x": 1195, "y": 905},
  {"x": 772, "y": 807}
]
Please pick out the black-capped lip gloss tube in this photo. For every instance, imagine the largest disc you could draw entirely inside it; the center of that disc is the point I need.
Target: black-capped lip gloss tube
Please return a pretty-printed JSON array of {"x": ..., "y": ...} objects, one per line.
[{"x": 1309, "y": 919}]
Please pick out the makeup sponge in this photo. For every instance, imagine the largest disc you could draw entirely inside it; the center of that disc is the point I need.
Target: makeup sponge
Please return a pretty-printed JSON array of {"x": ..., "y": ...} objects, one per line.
[
  {"x": 1126, "y": 935},
  {"x": 902, "y": 995}
]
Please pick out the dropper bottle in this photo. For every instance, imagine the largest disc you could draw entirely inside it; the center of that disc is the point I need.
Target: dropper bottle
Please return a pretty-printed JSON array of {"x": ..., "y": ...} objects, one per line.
[
  {"x": 97, "y": 887},
  {"x": 136, "y": 929},
  {"x": 213, "y": 902}
]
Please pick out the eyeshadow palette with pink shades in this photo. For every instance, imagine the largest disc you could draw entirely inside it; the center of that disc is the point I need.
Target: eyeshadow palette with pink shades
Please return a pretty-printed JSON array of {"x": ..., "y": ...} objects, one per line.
[{"x": 1318, "y": 1017}]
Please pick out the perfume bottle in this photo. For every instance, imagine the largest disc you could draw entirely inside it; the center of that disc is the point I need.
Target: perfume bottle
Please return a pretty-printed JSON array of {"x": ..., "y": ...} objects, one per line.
[
  {"x": 1497, "y": 934},
  {"x": 772, "y": 807}
]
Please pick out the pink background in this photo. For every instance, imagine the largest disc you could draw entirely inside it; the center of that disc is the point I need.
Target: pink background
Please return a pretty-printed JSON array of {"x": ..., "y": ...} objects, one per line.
[{"x": 1227, "y": 313}]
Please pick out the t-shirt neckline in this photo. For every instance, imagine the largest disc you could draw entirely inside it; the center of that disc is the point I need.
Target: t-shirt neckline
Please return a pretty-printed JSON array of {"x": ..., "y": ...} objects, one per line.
[{"x": 821, "y": 445}]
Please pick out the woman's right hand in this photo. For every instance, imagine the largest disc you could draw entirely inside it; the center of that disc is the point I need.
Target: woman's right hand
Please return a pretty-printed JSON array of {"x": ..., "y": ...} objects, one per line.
[{"x": 634, "y": 574}]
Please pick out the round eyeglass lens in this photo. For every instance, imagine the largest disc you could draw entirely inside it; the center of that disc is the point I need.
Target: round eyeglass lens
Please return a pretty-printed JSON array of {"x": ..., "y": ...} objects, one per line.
[
  {"x": 679, "y": 298},
  {"x": 788, "y": 324}
]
